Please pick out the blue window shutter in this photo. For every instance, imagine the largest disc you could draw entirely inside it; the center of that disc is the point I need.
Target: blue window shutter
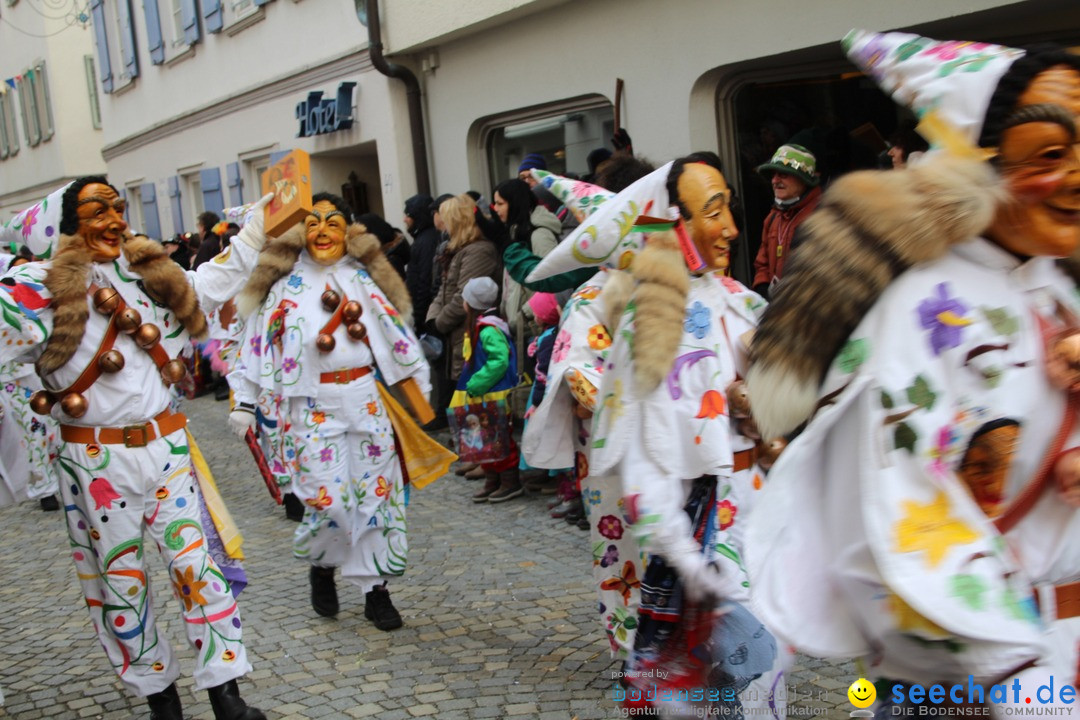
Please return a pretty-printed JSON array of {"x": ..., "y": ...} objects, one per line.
[
  {"x": 154, "y": 41},
  {"x": 212, "y": 13},
  {"x": 213, "y": 198},
  {"x": 97, "y": 12},
  {"x": 190, "y": 18},
  {"x": 261, "y": 2},
  {"x": 151, "y": 221},
  {"x": 122, "y": 192},
  {"x": 131, "y": 53},
  {"x": 236, "y": 184},
  {"x": 174, "y": 203}
]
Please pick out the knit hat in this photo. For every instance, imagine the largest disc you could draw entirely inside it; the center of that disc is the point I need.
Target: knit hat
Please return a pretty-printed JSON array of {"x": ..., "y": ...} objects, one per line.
[
  {"x": 481, "y": 293},
  {"x": 953, "y": 78},
  {"x": 533, "y": 160},
  {"x": 792, "y": 160},
  {"x": 545, "y": 308},
  {"x": 37, "y": 227}
]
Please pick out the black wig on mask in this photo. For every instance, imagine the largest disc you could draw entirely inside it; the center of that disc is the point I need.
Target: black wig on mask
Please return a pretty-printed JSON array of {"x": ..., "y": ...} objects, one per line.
[{"x": 69, "y": 203}]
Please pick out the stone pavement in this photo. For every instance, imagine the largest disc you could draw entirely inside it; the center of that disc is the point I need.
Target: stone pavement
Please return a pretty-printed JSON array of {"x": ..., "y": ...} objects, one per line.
[{"x": 498, "y": 609}]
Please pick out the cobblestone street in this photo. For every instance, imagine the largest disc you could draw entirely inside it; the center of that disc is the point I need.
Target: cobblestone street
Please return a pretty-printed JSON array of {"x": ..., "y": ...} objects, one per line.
[{"x": 497, "y": 604}]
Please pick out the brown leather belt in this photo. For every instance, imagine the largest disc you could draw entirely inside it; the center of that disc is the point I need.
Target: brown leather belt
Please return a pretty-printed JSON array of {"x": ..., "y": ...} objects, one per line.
[
  {"x": 341, "y": 377},
  {"x": 129, "y": 435},
  {"x": 1067, "y": 600},
  {"x": 745, "y": 458}
]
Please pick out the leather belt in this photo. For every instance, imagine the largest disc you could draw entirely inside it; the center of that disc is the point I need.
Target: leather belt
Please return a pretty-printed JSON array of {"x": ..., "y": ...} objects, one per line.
[
  {"x": 340, "y": 377},
  {"x": 1066, "y": 599},
  {"x": 745, "y": 458},
  {"x": 139, "y": 435}
]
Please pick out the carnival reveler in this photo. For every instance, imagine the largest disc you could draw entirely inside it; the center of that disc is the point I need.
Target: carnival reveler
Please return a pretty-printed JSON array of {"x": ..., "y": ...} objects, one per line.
[
  {"x": 927, "y": 334},
  {"x": 329, "y": 311},
  {"x": 637, "y": 403},
  {"x": 103, "y": 321}
]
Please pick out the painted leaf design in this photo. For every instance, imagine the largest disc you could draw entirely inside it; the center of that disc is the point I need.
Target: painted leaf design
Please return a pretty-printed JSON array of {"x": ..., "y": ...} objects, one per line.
[
  {"x": 904, "y": 437},
  {"x": 1002, "y": 322},
  {"x": 853, "y": 355},
  {"x": 887, "y": 401},
  {"x": 920, "y": 394},
  {"x": 969, "y": 588}
]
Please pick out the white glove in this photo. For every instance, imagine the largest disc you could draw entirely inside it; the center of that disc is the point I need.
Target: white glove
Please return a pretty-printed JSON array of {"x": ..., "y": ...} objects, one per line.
[
  {"x": 252, "y": 232},
  {"x": 241, "y": 420}
]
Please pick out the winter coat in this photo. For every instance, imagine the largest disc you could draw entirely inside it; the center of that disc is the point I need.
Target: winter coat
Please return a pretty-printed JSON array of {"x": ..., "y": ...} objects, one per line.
[
  {"x": 399, "y": 254},
  {"x": 476, "y": 259},
  {"x": 777, "y": 235},
  {"x": 545, "y": 236}
]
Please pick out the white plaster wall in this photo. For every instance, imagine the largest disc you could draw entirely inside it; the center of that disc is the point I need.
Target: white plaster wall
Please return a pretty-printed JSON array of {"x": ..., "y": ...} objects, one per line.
[{"x": 410, "y": 24}]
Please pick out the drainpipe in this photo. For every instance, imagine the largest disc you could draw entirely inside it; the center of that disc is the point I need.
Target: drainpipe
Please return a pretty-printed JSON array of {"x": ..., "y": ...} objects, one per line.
[{"x": 412, "y": 93}]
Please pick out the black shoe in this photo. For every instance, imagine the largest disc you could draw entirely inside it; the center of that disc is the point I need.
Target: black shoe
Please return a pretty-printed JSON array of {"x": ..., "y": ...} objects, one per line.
[
  {"x": 323, "y": 591},
  {"x": 379, "y": 610},
  {"x": 165, "y": 705},
  {"x": 228, "y": 705},
  {"x": 49, "y": 503},
  {"x": 294, "y": 509}
]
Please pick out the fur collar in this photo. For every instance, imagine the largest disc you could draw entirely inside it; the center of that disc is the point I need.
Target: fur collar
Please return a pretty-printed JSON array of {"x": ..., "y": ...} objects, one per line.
[
  {"x": 662, "y": 286},
  {"x": 68, "y": 278},
  {"x": 281, "y": 254},
  {"x": 870, "y": 227}
]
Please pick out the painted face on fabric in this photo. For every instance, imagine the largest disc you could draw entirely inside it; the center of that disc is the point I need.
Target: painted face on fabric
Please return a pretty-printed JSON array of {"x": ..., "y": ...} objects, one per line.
[
  {"x": 1040, "y": 163},
  {"x": 705, "y": 194},
  {"x": 101, "y": 221},
  {"x": 325, "y": 227}
]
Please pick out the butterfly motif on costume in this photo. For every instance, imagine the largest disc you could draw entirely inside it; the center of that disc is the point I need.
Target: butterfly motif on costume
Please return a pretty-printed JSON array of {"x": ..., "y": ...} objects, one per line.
[{"x": 626, "y": 581}]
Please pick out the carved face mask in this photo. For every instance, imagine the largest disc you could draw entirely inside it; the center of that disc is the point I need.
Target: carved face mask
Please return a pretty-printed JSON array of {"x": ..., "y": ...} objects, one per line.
[
  {"x": 325, "y": 227},
  {"x": 101, "y": 221},
  {"x": 706, "y": 196},
  {"x": 1040, "y": 163},
  {"x": 986, "y": 464}
]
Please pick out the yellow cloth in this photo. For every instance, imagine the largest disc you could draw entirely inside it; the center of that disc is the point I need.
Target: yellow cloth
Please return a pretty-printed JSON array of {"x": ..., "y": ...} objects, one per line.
[
  {"x": 227, "y": 529},
  {"x": 425, "y": 459}
]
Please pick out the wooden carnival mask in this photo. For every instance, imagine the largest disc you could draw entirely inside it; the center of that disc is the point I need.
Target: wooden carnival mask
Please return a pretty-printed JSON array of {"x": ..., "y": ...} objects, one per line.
[
  {"x": 706, "y": 196},
  {"x": 101, "y": 221},
  {"x": 325, "y": 226}
]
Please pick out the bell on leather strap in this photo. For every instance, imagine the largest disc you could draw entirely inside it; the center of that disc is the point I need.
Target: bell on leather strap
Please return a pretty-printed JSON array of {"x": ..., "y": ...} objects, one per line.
[
  {"x": 74, "y": 404},
  {"x": 356, "y": 331},
  {"x": 173, "y": 371},
  {"x": 738, "y": 399},
  {"x": 770, "y": 451},
  {"x": 330, "y": 300},
  {"x": 106, "y": 300},
  {"x": 352, "y": 311},
  {"x": 1063, "y": 360},
  {"x": 111, "y": 361},
  {"x": 41, "y": 402},
  {"x": 129, "y": 320},
  {"x": 147, "y": 335},
  {"x": 325, "y": 342}
]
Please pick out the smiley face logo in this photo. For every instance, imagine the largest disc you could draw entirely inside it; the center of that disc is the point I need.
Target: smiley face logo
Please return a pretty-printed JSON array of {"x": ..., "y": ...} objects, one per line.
[{"x": 862, "y": 693}]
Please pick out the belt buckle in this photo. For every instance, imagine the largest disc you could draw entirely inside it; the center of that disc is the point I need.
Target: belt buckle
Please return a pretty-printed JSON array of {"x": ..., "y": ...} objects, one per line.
[
  {"x": 136, "y": 435},
  {"x": 341, "y": 377}
]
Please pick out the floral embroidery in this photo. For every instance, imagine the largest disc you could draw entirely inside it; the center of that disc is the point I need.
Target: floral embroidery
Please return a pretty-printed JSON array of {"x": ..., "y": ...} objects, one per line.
[
  {"x": 944, "y": 318},
  {"x": 561, "y": 346},
  {"x": 318, "y": 417},
  {"x": 599, "y": 337},
  {"x": 401, "y": 347},
  {"x": 288, "y": 365},
  {"x": 187, "y": 588},
  {"x": 103, "y": 493},
  {"x": 611, "y": 556},
  {"x": 623, "y": 584},
  {"x": 295, "y": 281},
  {"x": 712, "y": 405},
  {"x": 29, "y": 220},
  {"x": 619, "y": 621},
  {"x": 373, "y": 408},
  {"x": 592, "y": 497},
  {"x": 698, "y": 320},
  {"x": 731, "y": 284},
  {"x": 326, "y": 455},
  {"x": 929, "y": 528},
  {"x": 322, "y": 500},
  {"x": 383, "y": 489},
  {"x": 610, "y": 527},
  {"x": 725, "y": 514},
  {"x": 374, "y": 451}
]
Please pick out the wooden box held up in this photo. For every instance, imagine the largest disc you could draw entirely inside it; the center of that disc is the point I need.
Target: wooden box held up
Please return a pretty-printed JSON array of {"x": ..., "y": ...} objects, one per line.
[{"x": 290, "y": 181}]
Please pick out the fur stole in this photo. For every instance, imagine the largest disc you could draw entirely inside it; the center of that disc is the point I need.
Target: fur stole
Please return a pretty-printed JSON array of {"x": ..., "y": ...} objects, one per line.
[
  {"x": 68, "y": 278},
  {"x": 870, "y": 227},
  {"x": 659, "y": 298},
  {"x": 281, "y": 254}
]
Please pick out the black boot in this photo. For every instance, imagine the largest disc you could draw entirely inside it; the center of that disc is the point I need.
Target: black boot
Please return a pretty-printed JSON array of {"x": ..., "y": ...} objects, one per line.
[
  {"x": 49, "y": 503},
  {"x": 228, "y": 705},
  {"x": 323, "y": 591},
  {"x": 294, "y": 509},
  {"x": 165, "y": 705},
  {"x": 379, "y": 610}
]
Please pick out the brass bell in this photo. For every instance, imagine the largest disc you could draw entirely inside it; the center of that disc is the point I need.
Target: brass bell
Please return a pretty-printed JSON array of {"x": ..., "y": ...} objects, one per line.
[
  {"x": 770, "y": 452},
  {"x": 106, "y": 300},
  {"x": 41, "y": 402},
  {"x": 747, "y": 428},
  {"x": 738, "y": 399},
  {"x": 111, "y": 361},
  {"x": 147, "y": 335},
  {"x": 352, "y": 311},
  {"x": 128, "y": 320},
  {"x": 74, "y": 405},
  {"x": 325, "y": 342},
  {"x": 356, "y": 330},
  {"x": 330, "y": 300},
  {"x": 173, "y": 371}
]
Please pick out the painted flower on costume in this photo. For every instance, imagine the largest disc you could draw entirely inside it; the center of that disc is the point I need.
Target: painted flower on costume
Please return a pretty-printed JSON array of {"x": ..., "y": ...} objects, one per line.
[
  {"x": 103, "y": 493},
  {"x": 295, "y": 281},
  {"x": 288, "y": 364},
  {"x": 30, "y": 219},
  {"x": 373, "y": 408},
  {"x": 944, "y": 318},
  {"x": 322, "y": 500},
  {"x": 731, "y": 284},
  {"x": 712, "y": 405},
  {"x": 599, "y": 337},
  {"x": 318, "y": 417},
  {"x": 561, "y": 346},
  {"x": 929, "y": 528},
  {"x": 401, "y": 347},
  {"x": 610, "y": 527},
  {"x": 187, "y": 588},
  {"x": 611, "y": 556},
  {"x": 698, "y": 320},
  {"x": 725, "y": 514},
  {"x": 383, "y": 488},
  {"x": 374, "y": 451},
  {"x": 623, "y": 584},
  {"x": 326, "y": 455}
]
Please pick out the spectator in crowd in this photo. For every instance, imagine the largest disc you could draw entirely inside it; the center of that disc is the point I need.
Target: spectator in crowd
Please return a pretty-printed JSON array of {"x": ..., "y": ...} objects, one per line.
[
  {"x": 393, "y": 243},
  {"x": 177, "y": 248},
  {"x": 209, "y": 241},
  {"x": 595, "y": 159},
  {"x": 793, "y": 174},
  {"x": 418, "y": 275},
  {"x": 906, "y": 145}
]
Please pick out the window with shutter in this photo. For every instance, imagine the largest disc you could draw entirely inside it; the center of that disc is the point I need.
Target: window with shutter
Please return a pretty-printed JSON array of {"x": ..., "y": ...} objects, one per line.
[
  {"x": 8, "y": 130},
  {"x": 150, "y": 217},
  {"x": 213, "y": 15},
  {"x": 42, "y": 100},
  {"x": 101, "y": 37},
  {"x": 174, "y": 204},
  {"x": 189, "y": 17},
  {"x": 213, "y": 198},
  {"x": 155, "y": 42},
  {"x": 91, "y": 88},
  {"x": 133, "y": 211},
  {"x": 236, "y": 184},
  {"x": 28, "y": 109}
]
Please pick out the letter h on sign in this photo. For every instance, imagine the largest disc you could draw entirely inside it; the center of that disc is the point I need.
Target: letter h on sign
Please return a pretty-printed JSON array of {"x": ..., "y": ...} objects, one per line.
[{"x": 318, "y": 116}]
